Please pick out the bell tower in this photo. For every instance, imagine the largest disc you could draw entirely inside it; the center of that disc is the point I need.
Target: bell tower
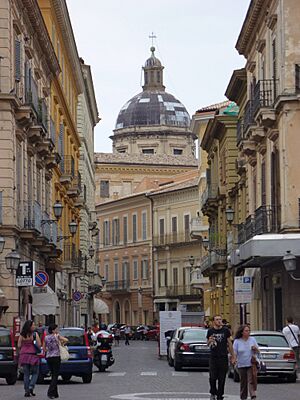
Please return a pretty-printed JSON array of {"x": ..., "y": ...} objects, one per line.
[{"x": 153, "y": 73}]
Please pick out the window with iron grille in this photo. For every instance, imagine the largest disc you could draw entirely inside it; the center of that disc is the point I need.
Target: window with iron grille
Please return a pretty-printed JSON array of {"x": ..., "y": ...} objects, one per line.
[{"x": 104, "y": 188}]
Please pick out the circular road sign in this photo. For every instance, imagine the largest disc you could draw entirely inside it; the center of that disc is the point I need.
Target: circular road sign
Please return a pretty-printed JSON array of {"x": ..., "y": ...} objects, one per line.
[
  {"x": 77, "y": 295},
  {"x": 41, "y": 278}
]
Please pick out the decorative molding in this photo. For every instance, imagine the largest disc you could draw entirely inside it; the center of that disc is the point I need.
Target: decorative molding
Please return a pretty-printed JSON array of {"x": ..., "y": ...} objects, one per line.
[
  {"x": 260, "y": 45},
  {"x": 250, "y": 66},
  {"x": 272, "y": 21}
]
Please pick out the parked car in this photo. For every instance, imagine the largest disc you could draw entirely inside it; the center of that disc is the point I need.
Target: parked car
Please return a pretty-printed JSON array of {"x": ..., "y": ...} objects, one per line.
[
  {"x": 80, "y": 362},
  {"x": 140, "y": 332},
  {"x": 8, "y": 356},
  {"x": 277, "y": 355},
  {"x": 152, "y": 333},
  {"x": 172, "y": 338},
  {"x": 191, "y": 349}
]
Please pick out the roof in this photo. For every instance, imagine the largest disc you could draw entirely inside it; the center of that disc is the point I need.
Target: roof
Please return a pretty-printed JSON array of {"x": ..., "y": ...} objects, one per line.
[
  {"x": 145, "y": 159},
  {"x": 176, "y": 186},
  {"x": 214, "y": 107}
]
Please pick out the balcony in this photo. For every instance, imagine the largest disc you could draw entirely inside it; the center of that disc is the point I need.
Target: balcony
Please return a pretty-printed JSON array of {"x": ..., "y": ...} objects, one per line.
[
  {"x": 183, "y": 292},
  {"x": 75, "y": 187},
  {"x": 197, "y": 228},
  {"x": 215, "y": 261},
  {"x": 29, "y": 219},
  {"x": 67, "y": 168},
  {"x": 240, "y": 132},
  {"x": 249, "y": 121},
  {"x": 118, "y": 286},
  {"x": 265, "y": 93},
  {"x": 71, "y": 256},
  {"x": 175, "y": 238},
  {"x": 264, "y": 220},
  {"x": 209, "y": 199}
]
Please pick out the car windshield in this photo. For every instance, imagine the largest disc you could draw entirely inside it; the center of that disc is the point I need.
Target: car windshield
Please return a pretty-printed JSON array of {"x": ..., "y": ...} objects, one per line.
[
  {"x": 271, "y": 341},
  {"x": 194, "y": 334},
  {"x": 5, "y": 338},
  {"x": 75, "y": 336}
]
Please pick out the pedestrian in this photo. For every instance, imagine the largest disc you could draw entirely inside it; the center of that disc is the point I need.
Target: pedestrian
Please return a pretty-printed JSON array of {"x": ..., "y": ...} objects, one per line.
[
  {"x": 291, "y": 332},
  {"x": 218, "y": 340},
  {"x": 127, "y": 332},
  {"x": 91, "y": 336},
  {"x": 117, "y": 336},
  {"x": 28, "y": 343},
  {"x": 246, "y": 349},
  {"x": 51, "y": 349}
]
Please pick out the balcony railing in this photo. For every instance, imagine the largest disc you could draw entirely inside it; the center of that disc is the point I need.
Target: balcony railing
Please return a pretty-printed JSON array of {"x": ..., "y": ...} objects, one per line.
[
  {"x": 265, "y": 93},
  {"x": 187, "y": 290},
  {"x": 172, "y": 238},
  {"x": 264, "y": 220},
  {"x": 31, "y": 96},
  {"x": 72, "y": 255},
  {"x": 211, "y": 192},
  {"x": 197, "y": 227},
  {"x": 52, "y": 131},
  {"x": 240, "y": 131},
  {"x": 46, "y": 228},
  {"x": 112, "y": 286},
  {"x": 43, "y": 114},
  {"x": 32, "y": 216},
  {"x": 67, "y": 165},
  {"x": 248, "y": 115}
]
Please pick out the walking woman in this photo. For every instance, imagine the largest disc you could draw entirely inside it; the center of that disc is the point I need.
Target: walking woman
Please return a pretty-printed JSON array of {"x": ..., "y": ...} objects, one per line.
[
  {"x": 246, "y": 349},
  {"x": 51, "y": 349},
  {"x": 28, "y": 357}
]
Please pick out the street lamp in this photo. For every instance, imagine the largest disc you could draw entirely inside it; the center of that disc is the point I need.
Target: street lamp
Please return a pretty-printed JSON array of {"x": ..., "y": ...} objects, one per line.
[
  {"x": 12, "y": 260},
  {"x": 205, "y": 243},
  {"x": 229, "y": 215},
  {"x": 191, "y": 261},
  {"x": 73, "y": 227},
  {"x": 91, "y": 251},
  {"x": 290, "y": 264},
  {"x": 57, "y": 209},
  {"x": 2, "y": 244}
]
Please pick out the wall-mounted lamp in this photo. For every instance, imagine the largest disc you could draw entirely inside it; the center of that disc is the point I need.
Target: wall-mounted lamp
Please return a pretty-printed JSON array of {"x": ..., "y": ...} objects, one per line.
[{"x": 290, "y": 264}]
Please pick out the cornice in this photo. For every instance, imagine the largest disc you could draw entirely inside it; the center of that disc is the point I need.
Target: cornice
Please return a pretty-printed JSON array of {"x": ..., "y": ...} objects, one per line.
[
  {"x": 63, "y": 18},
  {"x": 90, "y": 93},
  {"x": 37, "y": 21},
  {"x": 237, "y": 86}
]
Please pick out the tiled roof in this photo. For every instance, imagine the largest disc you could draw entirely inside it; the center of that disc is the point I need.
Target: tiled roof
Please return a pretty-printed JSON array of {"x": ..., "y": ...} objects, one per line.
[
  {"x": 214, "y": 107},
  {"x": 146, "y": 159},
  {"x": 176, "y": 186}
]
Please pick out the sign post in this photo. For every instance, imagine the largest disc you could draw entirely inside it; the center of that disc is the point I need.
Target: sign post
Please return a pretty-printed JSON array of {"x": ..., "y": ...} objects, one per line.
[
  {"x": 25, "y": 275},
  {"x": 243, "y": 295}
]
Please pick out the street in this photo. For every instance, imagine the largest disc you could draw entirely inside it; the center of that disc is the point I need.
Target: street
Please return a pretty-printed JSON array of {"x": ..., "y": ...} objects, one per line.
[{"x": 139, "y": 375}]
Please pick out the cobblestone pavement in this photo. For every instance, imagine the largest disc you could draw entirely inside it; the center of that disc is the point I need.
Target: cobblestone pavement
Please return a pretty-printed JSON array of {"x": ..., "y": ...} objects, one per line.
[{"x": 138, "y": 374}]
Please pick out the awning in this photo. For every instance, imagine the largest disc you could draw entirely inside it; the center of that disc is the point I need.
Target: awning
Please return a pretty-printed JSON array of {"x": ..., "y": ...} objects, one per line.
[
  {"x": 44, "y": 301},
  {"x": 100, "y": 307},
  {"x": 3, "y": 301}
]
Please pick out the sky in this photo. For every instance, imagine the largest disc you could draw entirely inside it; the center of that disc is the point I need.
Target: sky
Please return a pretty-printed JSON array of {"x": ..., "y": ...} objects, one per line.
[{"x": 195, "y": 42}]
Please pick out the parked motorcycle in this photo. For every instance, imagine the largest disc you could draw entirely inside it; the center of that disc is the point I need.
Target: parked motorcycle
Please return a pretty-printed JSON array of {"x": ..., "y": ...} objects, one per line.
[{"x": 103, "y": 357}]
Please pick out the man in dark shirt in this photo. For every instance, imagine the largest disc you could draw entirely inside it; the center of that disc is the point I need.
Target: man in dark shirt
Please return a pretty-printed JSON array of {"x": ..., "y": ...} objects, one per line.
[{"x": 218, "y": 339}]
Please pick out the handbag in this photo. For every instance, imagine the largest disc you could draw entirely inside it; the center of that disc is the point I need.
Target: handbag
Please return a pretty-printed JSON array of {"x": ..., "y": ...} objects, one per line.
[
  {"x": 64, "y": 352},
  {"x": 292, "y": 332},
  {"x": 37, "y": 348}
]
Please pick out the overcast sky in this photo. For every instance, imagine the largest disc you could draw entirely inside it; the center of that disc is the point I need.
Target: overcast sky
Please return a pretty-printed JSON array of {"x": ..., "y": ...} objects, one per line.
[{"x": 195, "y": 42}]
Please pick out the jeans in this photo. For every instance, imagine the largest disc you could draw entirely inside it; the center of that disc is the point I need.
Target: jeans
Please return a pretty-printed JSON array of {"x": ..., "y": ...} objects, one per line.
[
  {"x": 218, "y": 368},
  {"x": 247, "y": 379},
  {"x": 54, "y": 365},
  {"x": 127, "y": 338},
  {"x": 31, "y": 373}
]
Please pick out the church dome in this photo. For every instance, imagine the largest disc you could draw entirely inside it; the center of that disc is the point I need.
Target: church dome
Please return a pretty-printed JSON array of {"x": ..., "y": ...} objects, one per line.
[{"x": 152, "y": 107}]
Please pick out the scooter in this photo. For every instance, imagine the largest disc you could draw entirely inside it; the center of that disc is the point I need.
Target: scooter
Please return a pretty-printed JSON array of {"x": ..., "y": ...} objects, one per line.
[{"x": 103, "y": 357}]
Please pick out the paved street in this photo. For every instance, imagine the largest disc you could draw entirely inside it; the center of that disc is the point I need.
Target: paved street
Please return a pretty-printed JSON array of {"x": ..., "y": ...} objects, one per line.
[{"x": 139, "y": 375}]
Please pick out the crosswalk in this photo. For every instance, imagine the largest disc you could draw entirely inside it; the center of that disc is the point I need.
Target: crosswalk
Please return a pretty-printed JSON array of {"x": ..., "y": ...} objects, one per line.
[{"x": 155, "y": 373}]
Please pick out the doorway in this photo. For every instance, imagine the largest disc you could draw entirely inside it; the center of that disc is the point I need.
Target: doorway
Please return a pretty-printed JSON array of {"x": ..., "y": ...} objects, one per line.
[{"x": 278, "y": 308}]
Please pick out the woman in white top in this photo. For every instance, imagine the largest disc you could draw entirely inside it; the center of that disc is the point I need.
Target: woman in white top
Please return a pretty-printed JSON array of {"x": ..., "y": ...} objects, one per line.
[{"x": 245, "y": 348}]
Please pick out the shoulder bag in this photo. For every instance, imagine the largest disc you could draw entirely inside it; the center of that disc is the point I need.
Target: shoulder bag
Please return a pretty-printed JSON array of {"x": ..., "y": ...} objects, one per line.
[
  {"x": 38, "y": 350},
  {"x": 292, "y": 332}
]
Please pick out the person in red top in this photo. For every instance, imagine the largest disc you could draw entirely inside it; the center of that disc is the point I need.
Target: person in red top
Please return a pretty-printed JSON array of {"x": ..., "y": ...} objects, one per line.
[{"x": 28, "y": 357}]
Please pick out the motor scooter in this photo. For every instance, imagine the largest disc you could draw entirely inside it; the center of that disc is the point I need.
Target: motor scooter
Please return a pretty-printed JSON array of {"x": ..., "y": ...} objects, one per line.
[{"x": 103, "y": 357}]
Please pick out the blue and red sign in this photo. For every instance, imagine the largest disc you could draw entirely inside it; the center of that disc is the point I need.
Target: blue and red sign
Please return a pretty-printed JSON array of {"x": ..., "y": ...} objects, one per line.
[
  {"x": 77, "y": 296},
  {"x": 41, "y": 278}
]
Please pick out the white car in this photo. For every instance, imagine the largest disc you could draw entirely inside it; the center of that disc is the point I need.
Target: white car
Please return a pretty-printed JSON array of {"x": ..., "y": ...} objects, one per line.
[{"x": 173, "y": 343}]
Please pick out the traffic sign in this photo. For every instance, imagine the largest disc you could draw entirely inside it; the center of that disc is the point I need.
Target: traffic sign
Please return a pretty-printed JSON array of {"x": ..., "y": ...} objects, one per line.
[
  {"x": 242, "y": 289},
  {"x": 41, "y": 278},
  {"x": 25, "y": 274},
  {"x": 77, "y": 296}
]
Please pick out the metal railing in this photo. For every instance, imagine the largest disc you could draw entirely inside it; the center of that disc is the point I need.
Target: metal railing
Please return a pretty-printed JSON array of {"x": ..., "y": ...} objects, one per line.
[
  {"x": 240, "y": 130},
  {"x": 172, "y": 238},
  {"x": 52, "y": 131},
  {"x": 72, "y": 255},
  {"x": 211, "y": 192},
  {"x": 67, "y": 165},
  {"x": 32, "y": 216},
  {"x": 265, "y": 93},
  {"x": 248, "y": 115},
  {"x": 123, "y": 285},
  {"x": 31, "y": 96},
  {"x": 43, "y": 114},
  {"x": 187, "y": 290}
]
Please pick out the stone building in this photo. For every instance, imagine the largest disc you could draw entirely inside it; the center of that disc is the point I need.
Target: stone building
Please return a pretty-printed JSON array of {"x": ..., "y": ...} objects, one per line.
[
  {"x": 28, "y": 66},
  {"x": 265, "y": 199}
]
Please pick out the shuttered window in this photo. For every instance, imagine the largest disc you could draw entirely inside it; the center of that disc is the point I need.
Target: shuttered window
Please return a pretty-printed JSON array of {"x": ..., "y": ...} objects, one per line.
[
  {"x": 61, "y": 143},
  {"x": 27, "y": 81},
  {"x": 263, "y": 184},
  {"x": 135, "y": 270},
  {"x": 104, "y": 189},
  {"x": 106, "y": 233},
  {"x": 144, "y": 225},
  {"x": 145, "y": 267},
  {"x": 17, "y": 60},
  {"x": 134, "y": 228},
  {"x": 125, "y": 230}
]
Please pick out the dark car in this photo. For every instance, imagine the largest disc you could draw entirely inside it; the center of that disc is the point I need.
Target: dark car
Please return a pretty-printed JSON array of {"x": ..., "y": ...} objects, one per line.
[
  {"x": 152, "y": 333},
  {"x": 140, "y": 332},
  {"x": 8, "y": 356},
  {"x": 191, "y": 349},
  {"x": 80, "y": 362}
]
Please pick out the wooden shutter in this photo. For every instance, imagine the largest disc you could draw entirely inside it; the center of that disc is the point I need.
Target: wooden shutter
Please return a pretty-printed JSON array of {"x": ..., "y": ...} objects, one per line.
[
  {"x": 17, "y": 60},
  {"x": 263, "y": 184}
]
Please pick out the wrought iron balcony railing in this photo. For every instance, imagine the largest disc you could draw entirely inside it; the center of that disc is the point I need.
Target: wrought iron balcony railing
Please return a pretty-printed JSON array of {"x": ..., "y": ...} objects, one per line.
[
  {"x": 265, "y": 93},
  {"x": 240, "y": 131},
  {"x": 112, "y": 286},
  {"x": 172, "y": 238},
  {"x": 31, "y": 216},
  {"x": 248, "y": 116},
  {"x": 67, "y": 165},
  {"x": 187, "y": 290},
  {"x": 211, "y": 192},
  {"x": 31, "y": 96}
]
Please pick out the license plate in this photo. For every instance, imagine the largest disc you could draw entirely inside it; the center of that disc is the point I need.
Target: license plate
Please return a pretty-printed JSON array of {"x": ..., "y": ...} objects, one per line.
[
  {"x": 103, "y": 357},
  {"x": 72, "y": 355},
  {"x": 199, "y": 347},
  {"x": 269, "y": 356}
]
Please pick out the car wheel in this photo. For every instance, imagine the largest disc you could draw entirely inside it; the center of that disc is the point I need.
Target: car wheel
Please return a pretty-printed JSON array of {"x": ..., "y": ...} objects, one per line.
[
  {"x": 66, "y": 377},
  {"x": 291, "y": 378},
  {"x": 177, "y": 366},
  {"x": 87, "y": 378},
  {"x": 11, "y": 380},
  {"x": 236, "y": 377},
  {"x": 170, "y": 360}
]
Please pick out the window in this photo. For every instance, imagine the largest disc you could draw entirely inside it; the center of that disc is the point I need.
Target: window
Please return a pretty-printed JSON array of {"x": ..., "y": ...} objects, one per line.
[
  {"x": 104, "y": 189},
  {"x": 187, "y": 227},
  {"x": 146, "y": 78},
  {"x": 125, "y": 271},
  {"x": 263, "y": 184},
  {"x": 162, "y": 278},
  {"x": 121, "y": 150},
  {"x": 144, "y": 225},
  {"x": 106, "y": 271},
  {"x": 116, "y": 270},
  {"x": 161, "y": 231},
  {"x": 145, "y": 267},
  {"x": 158, "y": 76},
  {"x": 297, "y": 77},
  {"x": 174, "y": 229},
  {"x": 148, "y": 151},
  {"x": 134, "y": 226},
  {"x": 135, "y": 270},
  {"x": 177, "y": 152},
  {"x": 39, "y": 186},
  {"x": 115, "y": 232},
  {"x": 106, "y": 233},
  {"x": 175, "y": 276},
  {"x": 17, "y": 60},
  {"x": 125, "y": 230}
]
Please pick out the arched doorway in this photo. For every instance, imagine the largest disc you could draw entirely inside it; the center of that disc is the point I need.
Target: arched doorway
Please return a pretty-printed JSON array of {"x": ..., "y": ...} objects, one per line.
[
  {"x": 117, "y": 312},
  {"x": 127, "y": 312}
]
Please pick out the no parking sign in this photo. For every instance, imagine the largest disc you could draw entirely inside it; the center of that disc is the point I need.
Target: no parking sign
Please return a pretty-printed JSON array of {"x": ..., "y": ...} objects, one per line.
[{"x": 41, "y": 278}]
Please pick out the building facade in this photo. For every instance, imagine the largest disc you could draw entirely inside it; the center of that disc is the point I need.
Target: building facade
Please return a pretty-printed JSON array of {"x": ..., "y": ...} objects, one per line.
[
  {"x": 266, "y": 198},
  {"x": 28, "y": 66}
]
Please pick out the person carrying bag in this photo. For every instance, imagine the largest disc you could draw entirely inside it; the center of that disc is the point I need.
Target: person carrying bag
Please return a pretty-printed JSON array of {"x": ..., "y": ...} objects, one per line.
[{"x": 291, "y": 332}]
